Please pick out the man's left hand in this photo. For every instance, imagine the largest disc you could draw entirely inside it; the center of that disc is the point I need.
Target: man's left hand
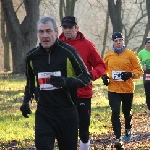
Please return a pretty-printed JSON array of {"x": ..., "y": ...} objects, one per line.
[
  {"x": 58, "y": 81},
  {"x": 126, "y": 75}
]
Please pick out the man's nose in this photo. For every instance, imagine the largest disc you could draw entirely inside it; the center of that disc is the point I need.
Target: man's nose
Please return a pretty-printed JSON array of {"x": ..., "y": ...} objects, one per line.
[{"x": 45, "y": 34}]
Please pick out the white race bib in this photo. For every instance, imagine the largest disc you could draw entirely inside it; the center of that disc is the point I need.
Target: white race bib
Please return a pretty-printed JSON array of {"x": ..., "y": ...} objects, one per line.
[
  {"x": 116, "y": 75},
  {"x": 147, "y": 76},
  {"x": 44, "y": 80}
]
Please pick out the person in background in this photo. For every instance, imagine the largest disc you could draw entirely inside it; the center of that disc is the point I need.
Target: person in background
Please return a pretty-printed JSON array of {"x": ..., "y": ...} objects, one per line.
[
  {"x": 122, "y": 66},
  {"x": 54, "y": 71},
  {"x": 95, "y": 65},
  {"x": 144, "y": 56}
]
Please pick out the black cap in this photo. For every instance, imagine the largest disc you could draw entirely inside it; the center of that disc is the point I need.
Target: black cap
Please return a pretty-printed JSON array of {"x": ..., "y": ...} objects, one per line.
[
  {"x": 117, "y": 35},
  {"x": 147, "y": 39},
  {"x": 69, "y": 21}
]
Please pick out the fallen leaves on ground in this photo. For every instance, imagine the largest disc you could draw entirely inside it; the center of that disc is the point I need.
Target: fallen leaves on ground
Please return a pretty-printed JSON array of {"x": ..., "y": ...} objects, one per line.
[{"x": 140, "y": 139}]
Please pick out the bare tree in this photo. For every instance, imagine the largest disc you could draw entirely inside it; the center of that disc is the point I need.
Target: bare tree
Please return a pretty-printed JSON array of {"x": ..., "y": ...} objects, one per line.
[
  {"x": 137, "y": 29},
  {"x": 115, "y": 14},
  {"x": 5, "y": 41},
  {"x": 22, "y": 36},
  {"x": 148, "y": 11},
  {"x": 147, "y": 29},
  {"x": 122, "y": 19},
  {"x": 62, "y": 9},
  {"x": 66, "y": 7},
  {"x": 133, "y": 20}
]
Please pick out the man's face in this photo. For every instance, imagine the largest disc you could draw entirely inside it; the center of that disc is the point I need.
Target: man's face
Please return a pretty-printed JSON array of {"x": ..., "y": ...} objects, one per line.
[
  {"x": 148, "y": 45},
  {"x": 47, "y": 35},
  {"x": 70, "y": 32},
  {"x": 118, "y": 43}
]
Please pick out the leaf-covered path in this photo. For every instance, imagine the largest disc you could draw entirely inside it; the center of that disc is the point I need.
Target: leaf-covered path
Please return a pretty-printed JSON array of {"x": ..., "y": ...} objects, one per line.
[{"x": 139, "y": 141}]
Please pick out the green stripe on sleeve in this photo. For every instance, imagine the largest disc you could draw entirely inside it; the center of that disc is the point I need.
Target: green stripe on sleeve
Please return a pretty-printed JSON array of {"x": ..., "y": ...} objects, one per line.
[{"x": 70, "y": 70}]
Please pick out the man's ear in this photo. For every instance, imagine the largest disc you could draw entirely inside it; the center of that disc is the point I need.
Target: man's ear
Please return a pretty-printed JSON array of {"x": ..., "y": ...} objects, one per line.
[
  {"x": 77, "y": 27},
  {"x": 57, "y": 32}
]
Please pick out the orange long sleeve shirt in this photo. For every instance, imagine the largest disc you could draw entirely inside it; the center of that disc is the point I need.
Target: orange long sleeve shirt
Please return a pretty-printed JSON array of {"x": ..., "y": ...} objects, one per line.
[{"x": 116, "y": 63}]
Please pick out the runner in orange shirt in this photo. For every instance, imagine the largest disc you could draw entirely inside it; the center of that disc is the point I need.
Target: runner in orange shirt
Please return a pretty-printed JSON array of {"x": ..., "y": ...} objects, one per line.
[{"x": 122, "y": 66}]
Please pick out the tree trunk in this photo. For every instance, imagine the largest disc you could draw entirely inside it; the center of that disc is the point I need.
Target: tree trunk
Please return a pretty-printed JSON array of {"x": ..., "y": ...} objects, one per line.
[
  {"x": 70, "y": 5},
  {"x": 61, "y": 9},
  {"x": 5, "y": 41},
  {"x": 22, "y": 37},
  {"x": 148, "y": 11},
  {"x": 6, "y": 54},
  {"x": 105, "y": 34},
  {"x": 115, "y": 14},
  {"x": 66, "y": 10}
]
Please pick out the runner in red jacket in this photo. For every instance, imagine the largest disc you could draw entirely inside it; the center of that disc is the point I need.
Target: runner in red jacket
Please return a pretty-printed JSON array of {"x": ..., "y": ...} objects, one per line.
[{"x": 95, "y": 66}]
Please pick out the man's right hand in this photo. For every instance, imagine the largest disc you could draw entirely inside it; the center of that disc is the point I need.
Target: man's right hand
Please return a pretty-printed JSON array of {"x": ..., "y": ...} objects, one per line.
[
  {"x": 25, "y": 109},
  {"x": 105, "y": 79}
]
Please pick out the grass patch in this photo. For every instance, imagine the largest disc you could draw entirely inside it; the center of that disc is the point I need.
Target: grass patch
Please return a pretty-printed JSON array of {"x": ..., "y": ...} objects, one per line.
[
  {"x": 13, "y": 126},
  {"x": 19, "y": 130}
]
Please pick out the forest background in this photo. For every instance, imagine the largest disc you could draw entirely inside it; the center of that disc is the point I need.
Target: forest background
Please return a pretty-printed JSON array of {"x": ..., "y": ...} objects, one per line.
[{"x": 97, "y": 19}]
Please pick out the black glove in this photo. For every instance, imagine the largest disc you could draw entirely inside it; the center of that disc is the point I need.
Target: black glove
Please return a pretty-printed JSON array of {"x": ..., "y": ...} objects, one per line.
[
  {"x": 58, "y": 81},
  {"x": 126, "y": 75},
  {"x": 105, "y": 79},
  {"x": 25, "y": 109}
]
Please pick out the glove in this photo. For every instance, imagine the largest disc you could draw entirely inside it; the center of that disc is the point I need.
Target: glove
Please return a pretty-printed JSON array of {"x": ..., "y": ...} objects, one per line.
[
  {"x": 126, "y": 75},
  {"x": 25, "y": 109},
  {"x": 105, "y": 79},
  {"x": 58, "y": 81}
]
